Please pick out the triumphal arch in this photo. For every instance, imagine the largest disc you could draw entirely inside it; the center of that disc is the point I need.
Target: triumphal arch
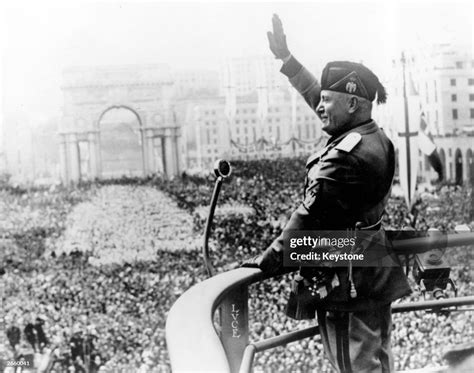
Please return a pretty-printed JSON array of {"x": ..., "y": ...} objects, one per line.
[{"x": 93, "y": 147}]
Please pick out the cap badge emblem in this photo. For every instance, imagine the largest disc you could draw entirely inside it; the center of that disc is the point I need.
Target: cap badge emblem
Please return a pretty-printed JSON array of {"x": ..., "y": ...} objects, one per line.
[{"x": 351, "y": 87}]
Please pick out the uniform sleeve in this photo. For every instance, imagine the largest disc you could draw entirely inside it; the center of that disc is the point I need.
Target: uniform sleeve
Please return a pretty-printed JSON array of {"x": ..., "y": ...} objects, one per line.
[
  {"x": 303, "y": 81},
  {"x": 328, "y": 197}
]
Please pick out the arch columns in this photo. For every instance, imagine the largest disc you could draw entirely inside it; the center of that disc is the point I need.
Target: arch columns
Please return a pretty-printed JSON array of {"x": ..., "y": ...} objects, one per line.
[
  {"x": 161, "y": 142},
  {"x": 70, "y": 158},
  {"x": 149, "y": 163},
  {"x": 157, "y": 142},
  {"x": 171, "y": 151},
  {"x": 94, "y": 153},
  {"x": 73, "y": 157},
  {"x": 63, "y": 158}
]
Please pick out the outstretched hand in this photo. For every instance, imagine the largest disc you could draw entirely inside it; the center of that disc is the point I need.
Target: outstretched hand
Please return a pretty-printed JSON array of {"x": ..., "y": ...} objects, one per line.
[
  {"x": 253, "y": 262},
  {"x": 277, "y": 39},
  {"x": 270, "y": 261}
]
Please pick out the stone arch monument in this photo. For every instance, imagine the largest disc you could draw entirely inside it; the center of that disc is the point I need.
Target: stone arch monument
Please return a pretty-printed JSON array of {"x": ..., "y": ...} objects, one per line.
[{"x": 89, "y": 93}]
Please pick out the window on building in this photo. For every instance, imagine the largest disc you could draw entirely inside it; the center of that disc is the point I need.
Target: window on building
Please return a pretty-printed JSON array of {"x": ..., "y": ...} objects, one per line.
[
  {"x": 237, "y": 121},
  {"x": 471, "y": 96},
  {"x": 427, "y": 163},
  {"x": 278, "y": 133},
  {"x": 245, "y": 121},
  {"x": 470, "y": 81},
  {"x": 453, "y": 82},
  {"x": 253, "y": 121},
  {"x": 459, "y": 65},
  {"x": 454, "y": 97},
  {"x": 208, "y": 136},
  {"x": 436, "y": 91},
  {"x": 472, "y": 112},
  {"x": 455, "y": 113}
]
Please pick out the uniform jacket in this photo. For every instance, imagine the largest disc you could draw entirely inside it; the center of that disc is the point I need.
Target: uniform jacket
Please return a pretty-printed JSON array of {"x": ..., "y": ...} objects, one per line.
[{"x": 348, "y": 182}]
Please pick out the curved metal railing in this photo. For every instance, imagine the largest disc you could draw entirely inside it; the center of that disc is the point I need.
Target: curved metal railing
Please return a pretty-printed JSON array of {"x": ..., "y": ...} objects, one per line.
[
  {"x": 192, "y": 341},
  {"x": 195, "y": 343}
]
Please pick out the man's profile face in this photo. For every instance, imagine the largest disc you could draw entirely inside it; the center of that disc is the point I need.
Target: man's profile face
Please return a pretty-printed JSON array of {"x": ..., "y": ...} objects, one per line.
[{"x": 333, "y": 110}]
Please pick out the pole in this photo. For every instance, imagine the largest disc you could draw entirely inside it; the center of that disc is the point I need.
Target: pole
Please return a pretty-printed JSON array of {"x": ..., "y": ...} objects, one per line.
[
  {"x": 407, "y": 130},
  {"x": 207, "y": 261}
]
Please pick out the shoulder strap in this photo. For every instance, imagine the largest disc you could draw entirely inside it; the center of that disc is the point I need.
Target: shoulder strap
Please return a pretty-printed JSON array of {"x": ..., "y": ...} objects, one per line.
[{"x": 349, "y": 142}]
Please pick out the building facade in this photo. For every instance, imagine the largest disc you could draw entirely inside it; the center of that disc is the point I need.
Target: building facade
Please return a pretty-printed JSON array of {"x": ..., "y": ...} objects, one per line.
[
  {"x": 444, "y": 76},
  {"x": 185, "y": 120}
]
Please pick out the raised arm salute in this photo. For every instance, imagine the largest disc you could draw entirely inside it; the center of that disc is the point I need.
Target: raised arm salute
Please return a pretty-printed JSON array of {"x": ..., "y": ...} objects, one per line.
[
  {"x": 277, "y": 40},
  {"x": 304, "y": 82},
  {"x": 347, "y": 186}
]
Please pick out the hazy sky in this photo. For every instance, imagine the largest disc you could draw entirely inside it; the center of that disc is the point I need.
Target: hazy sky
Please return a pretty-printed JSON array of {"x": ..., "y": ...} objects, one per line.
[{"x": 40, "y": 39}]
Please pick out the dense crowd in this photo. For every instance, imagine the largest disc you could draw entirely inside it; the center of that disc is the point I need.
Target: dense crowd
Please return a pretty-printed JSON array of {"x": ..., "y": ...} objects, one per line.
[{"x": 99, "y": 266}]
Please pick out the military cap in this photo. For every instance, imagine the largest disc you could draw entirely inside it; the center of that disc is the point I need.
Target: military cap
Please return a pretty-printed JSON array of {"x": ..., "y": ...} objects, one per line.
[{"x": 353, "y": 78}]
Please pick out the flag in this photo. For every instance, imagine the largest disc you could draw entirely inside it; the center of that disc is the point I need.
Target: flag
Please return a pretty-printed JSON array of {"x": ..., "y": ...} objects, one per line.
[{"x": 428, "y": 147}]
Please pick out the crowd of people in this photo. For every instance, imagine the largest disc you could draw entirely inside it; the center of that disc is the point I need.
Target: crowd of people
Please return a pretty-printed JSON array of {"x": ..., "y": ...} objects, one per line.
[{"x": 99, "y": 266}]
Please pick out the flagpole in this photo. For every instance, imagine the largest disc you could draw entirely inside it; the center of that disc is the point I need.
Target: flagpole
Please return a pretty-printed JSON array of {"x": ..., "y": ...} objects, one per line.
[{"x": 407, "y": 131}]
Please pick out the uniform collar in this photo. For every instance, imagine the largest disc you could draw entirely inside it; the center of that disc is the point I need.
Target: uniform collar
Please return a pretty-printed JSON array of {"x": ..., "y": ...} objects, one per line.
[{"x": 363, "y": 128}]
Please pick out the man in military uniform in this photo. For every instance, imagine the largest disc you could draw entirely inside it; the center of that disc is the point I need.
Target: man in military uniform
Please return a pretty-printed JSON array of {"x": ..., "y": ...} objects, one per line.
[{"x": 347, "y": 187}]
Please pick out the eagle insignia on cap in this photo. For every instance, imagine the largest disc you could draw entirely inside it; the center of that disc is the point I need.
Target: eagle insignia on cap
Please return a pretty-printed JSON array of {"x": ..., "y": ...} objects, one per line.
[
  {"x": 353, "y": 78},
  {"x": 351, "y": 87}
]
